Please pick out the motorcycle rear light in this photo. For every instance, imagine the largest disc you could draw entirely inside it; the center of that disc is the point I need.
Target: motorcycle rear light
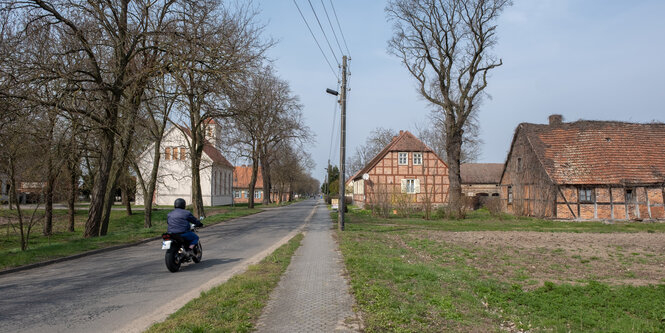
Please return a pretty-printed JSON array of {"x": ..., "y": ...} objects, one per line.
[{"x": 166, "y": 237}]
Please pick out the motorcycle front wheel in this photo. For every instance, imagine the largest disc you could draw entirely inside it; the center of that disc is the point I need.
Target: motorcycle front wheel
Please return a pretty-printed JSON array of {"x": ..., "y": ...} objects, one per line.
[
  {"x": 198, "y": 253},
  {"x": 172, "y": 260}
]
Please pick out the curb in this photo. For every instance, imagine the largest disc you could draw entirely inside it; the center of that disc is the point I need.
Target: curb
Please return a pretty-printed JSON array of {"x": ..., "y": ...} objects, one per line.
[{"x": 97, "y": 251}]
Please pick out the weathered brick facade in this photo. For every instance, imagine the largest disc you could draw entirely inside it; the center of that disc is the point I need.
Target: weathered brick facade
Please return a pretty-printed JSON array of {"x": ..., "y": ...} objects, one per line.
[
  {"x": 404, "y": 172},
  {"x": 586, "y": 170}
]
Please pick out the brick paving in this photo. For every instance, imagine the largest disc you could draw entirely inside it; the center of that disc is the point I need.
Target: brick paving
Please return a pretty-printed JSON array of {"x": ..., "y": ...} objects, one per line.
[{"x": 313, "y": 295}]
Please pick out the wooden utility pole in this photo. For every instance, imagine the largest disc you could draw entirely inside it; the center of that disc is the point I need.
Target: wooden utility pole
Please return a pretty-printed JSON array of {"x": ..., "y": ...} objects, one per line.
[{"x": 342, "y": 150}]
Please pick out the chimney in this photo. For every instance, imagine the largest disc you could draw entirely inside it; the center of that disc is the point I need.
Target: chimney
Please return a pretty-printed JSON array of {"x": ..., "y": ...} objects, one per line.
[
  {"x": 555, "y": 119},
  {"x": 401, "y": 132}
]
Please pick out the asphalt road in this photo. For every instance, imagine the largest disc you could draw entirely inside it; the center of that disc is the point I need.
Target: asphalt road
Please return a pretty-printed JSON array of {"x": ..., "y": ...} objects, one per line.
[{"x": 126, "y": 290}]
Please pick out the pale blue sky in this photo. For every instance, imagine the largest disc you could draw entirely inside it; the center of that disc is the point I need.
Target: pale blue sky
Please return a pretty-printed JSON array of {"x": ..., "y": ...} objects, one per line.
[{"x": 584, "y": 59}]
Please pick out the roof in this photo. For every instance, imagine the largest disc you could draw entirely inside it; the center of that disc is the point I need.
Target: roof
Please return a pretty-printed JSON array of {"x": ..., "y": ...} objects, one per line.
[
  {"x": 481, "y": 173},
  {"x": 243, "y": 174},
  {"x": 404, "y": 142},
  {"x": 599, "y": 152}
]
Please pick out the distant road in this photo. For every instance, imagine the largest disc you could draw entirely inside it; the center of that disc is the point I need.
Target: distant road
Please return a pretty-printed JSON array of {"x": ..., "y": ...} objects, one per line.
[{"x": 127, "y": 289}]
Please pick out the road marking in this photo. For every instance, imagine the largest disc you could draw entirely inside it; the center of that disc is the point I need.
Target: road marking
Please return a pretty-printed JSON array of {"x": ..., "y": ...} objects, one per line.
[{"x": 160, "y": 314}]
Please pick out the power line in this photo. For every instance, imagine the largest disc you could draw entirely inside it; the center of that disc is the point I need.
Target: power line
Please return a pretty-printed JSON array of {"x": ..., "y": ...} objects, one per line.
[
  {"x": 340, "y": 29},
  {"x": 331, "y": 27},
  {"x": 315, "y": 40},
  {"x": 323, "y": 31}
]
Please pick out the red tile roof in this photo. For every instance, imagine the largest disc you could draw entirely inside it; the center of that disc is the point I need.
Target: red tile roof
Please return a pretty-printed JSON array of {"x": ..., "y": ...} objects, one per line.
[
  {"x": 404, "y": 142},
  {"x": 243, "y": 174},
  {"x": 599, "y": 152},
  {"x": 481, "y": 173}
]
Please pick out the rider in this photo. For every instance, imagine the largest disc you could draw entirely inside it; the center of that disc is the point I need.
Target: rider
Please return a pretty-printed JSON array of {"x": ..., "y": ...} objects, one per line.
[{"x": 178, "y": 221}]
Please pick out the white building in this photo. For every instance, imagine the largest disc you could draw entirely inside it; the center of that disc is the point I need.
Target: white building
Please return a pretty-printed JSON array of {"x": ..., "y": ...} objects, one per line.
[{"x": 174, "y": 178}]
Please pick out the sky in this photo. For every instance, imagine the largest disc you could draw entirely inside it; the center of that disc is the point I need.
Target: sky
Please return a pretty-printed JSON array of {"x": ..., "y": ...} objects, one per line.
[{"x": 583, "y": 59}]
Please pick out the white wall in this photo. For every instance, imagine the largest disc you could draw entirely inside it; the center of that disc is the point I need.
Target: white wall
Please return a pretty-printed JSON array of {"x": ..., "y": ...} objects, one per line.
[{"x": 174, "y": 177}]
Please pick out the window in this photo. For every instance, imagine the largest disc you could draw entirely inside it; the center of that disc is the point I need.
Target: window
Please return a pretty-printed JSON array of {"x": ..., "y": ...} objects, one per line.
[
  {"x": 586, "y": 194},
  {"x": 410, "y": 186},
  {"x": 175, "y": 153},
  {"x": 243, "y": 195},
  {"x": 519, "y": 164},
  {"x": 403, "y": 159},
  {"x": 629, "y": 195},
  {"x": 183, "y": 152},
  {"x": 510, "y": 194},
  {"x": 167, "y": 153},
  {"x": 236, "y": 194},
  {"x": 417, "y": 158},
  {"x": 257, "y": 194}
]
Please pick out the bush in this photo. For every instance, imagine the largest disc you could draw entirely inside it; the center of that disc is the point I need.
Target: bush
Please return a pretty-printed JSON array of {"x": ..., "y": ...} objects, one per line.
[{"x": 493, "y": 205}]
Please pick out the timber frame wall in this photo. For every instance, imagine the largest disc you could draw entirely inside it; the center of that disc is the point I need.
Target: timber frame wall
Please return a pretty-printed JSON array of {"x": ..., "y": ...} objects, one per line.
[{"x": 385, "y": 181}]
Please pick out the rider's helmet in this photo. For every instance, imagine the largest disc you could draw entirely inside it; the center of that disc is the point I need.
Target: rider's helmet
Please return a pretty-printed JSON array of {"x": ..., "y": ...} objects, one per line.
[{"x": 180, "y": 203}]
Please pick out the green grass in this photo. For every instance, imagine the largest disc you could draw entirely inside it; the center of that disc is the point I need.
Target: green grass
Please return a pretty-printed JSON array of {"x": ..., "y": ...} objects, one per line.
[
  {"x": 236, "y": 305},
  {"x": 122, "y": 230},
  {"x": 404, "y": 283}
]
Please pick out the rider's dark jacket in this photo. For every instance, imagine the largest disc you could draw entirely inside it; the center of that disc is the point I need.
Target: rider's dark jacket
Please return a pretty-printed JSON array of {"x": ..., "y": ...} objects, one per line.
[{"x": 179, "y": 219}]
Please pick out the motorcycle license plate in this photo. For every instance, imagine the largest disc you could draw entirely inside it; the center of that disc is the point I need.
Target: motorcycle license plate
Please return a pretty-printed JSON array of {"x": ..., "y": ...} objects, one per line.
[{"x": 166, "y": 245}]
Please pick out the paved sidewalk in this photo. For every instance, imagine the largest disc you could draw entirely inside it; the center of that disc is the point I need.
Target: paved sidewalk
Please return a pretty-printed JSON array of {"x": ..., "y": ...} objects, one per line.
[{"x": 313, "y": 295}]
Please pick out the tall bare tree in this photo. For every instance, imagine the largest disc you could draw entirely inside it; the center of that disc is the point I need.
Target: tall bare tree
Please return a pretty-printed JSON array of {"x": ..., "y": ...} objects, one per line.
[
  {"x": 445, "y": 45},
  {"x": 213, "y": 47}
]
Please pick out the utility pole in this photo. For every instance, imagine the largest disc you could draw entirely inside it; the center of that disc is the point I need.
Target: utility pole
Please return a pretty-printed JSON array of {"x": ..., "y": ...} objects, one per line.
[{"x": 342, "y": 150}]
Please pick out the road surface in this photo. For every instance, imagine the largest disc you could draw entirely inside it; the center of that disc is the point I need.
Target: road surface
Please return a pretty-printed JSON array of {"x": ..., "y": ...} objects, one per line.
[{"x": 128, "y": 289}]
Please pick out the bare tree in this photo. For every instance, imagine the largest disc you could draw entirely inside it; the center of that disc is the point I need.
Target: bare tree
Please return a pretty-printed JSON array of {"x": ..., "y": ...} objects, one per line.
[
  {"x": 378, "y": 139},
  {"x": 158, "y": 103},
  {"x": 212, "y": 48},
  {"x": 433, "y": 134},
  {"x": 445, "y": 45},
  {"x": 102, "y": 53}
]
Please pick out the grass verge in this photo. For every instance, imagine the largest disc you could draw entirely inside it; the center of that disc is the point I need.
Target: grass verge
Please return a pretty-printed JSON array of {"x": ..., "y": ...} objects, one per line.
[
  {"x": 236, "y": 305},
  {"x": 407, "y": 277},
  {"x": 123, "y": 229}
]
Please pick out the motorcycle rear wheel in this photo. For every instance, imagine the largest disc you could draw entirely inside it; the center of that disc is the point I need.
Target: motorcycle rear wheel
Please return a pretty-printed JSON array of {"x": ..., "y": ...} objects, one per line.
[
  {"x": 198, "y": 253},
  {"x": 172, "y": 260}
]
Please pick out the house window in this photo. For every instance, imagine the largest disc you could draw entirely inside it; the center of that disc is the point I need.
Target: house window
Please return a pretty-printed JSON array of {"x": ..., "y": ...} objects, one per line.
[
  {"x": 410, "y": 186},
  {"x": 519, "y": 164},
  {"x": 236, "y": 194},
  {"x": 183, "y": 152},
  {"x": 586, "y": 194},
  {"x": 417, "y": 158},
  {"x": 243, "y": 195},
  {"x": 629, "y": 195},
  {"x": 167, "y": 153},
  {"x": 510, "y": 194},
  {"x": 257, "y": 194},
  {"x": 403, "y": 158},
  {"x": 175, "y": 153}
]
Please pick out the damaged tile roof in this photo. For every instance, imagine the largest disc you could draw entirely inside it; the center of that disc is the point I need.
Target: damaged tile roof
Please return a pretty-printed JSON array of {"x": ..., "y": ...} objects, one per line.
[
  {"x": 599, "y": 152},
  {"x": 481, "y": 173}
]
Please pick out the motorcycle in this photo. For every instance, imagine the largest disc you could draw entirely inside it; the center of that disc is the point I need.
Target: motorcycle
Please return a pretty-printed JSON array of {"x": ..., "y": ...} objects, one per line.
[{"x": 176, "y": 250}]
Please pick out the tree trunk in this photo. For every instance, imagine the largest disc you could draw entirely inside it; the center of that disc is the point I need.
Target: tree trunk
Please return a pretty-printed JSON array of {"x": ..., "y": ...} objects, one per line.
[
  {"x": 48, "y": 207},
  {"x": 101, "y": 182},
  {"x": 71, "y": 201},
  {"x": 148, "y": 195},
  {"x": 265, "y": 171},
  {"x": 252, "y": 182},
  {"x": 453, "y": 150},
  {"x": 125, "y": 200},
  {"x": 197, "y": 195}
]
